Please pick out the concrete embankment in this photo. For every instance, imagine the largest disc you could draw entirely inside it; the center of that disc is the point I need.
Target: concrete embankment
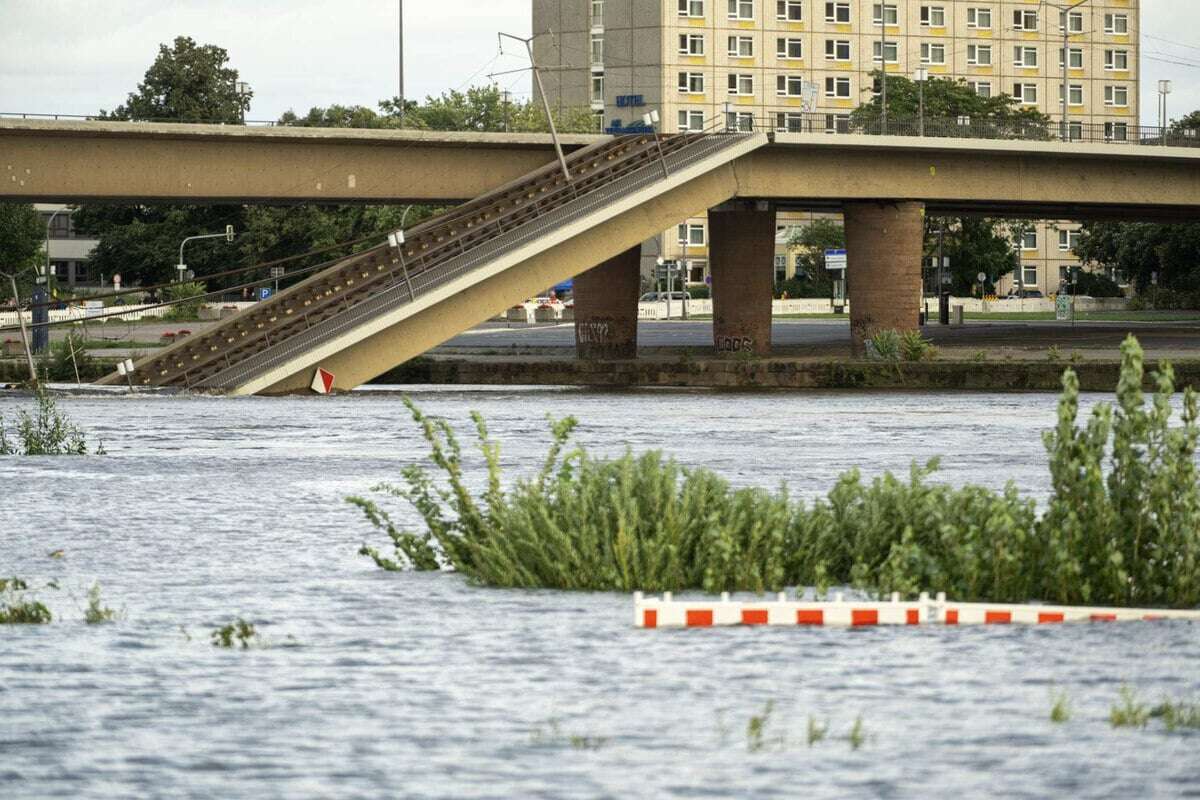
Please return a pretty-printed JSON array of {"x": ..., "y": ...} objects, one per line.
[{"x": 771, "y": 373}]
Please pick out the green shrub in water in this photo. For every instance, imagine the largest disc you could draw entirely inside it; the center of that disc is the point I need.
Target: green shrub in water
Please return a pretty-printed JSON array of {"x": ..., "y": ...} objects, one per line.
[
  {"x": 46, "y": 432},
  {"x": 1121, "y": 530},
  {"x": 17, "y": 608},
  {"x": 238, "y": 633}
]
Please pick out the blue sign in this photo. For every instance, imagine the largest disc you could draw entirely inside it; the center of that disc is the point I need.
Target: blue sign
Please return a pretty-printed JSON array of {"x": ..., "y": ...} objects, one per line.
[
  {"x": 630, "y": 101},
  {"x": 565, "y": 287},
  {"x": 616, "y": 128},
  {"x": 264, "y": 293}
]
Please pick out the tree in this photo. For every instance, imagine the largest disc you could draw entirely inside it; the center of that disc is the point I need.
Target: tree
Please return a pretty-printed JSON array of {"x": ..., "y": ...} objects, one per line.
[
  {"x": 21, "y": 236},
  {"x": 1157, "y": 259},
  {"x": 973, "y": 245},
  {"x": 186, "y": 83},
  {"x": 811, "y": 241},
  {"x": 950, "y": 101}
]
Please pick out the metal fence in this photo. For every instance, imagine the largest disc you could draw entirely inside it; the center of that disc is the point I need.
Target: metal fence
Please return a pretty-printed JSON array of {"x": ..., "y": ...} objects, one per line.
[{"x": 964, "y": 127}]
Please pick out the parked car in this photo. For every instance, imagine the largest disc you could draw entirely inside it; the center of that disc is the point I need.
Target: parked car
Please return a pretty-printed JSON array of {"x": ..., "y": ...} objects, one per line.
[{"x": 1028, "y": 294}]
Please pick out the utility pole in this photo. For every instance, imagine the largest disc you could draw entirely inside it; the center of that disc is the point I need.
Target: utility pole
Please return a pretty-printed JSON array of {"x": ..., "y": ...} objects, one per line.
[
  {"x": 883, "y": 62},
  {"x": 1065, "y": 129},
  {"x": 401, "y": 55},
  {"x": 921, "y": 74},
  {"x": 24, "y": 336},
  {"x": 537, "y": 76},
  {"x": 506, "y": 96}
]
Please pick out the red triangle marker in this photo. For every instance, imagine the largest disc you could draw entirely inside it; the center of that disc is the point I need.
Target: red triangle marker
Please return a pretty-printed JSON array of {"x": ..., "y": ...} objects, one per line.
[{"x": 322, "y": 381}]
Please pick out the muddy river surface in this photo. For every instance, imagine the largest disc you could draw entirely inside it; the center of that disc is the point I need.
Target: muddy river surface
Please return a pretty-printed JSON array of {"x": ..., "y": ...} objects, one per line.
[{"x": 370, "y": 684}]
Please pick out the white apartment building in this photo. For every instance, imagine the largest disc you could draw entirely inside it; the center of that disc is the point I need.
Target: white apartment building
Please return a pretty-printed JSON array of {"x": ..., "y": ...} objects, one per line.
[{"x": 776, "y": 63}]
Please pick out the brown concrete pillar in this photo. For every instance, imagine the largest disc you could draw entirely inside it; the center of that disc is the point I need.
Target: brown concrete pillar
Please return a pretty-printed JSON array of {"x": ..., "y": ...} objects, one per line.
[
  {"x": 606, "y": 307},
  {"x": 884, "y": 244},
  {"x": 741, "y": 253}
]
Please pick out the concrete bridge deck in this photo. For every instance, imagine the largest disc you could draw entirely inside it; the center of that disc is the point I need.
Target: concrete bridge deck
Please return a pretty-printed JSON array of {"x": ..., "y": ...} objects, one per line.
[{"x": 58, "y": 161}]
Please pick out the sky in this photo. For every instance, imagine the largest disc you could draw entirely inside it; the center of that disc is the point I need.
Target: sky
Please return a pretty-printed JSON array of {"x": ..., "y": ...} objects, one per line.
[{"x": 79, "y": 56}]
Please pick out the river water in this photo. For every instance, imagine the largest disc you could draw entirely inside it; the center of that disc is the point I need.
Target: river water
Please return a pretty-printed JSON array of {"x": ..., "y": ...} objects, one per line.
[{"x": 370, "y": 684}]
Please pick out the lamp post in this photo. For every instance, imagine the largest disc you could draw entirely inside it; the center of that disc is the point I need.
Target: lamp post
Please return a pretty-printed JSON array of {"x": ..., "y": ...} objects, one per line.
[
  {"x": 650, "y": 119},
  {"x": 883, "y": 62},
  {"x": 537, "y": 76},
  {"x": 41, "y": 293},
  {"x": 243, "y": 89},
  {"x": 401, "y": 59},
  {"x": 1164, "y": 89},
  {"x": 920, "y": 75},
  {"x": 181, "y": 266},
  {"x": 1064, "y": 10}
]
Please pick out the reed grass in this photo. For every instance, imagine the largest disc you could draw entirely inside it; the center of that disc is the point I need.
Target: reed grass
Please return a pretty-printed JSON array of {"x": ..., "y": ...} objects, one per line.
[
  {"x": 18, "y": 607},
  {"x": 1122, "y": 525}
]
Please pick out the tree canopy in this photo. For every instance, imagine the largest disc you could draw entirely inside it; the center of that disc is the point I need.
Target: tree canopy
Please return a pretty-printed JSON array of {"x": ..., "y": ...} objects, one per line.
[
  {"x": 186, "y": 83},
  {"x": 952, "y": 99},
  {"x": 21, "y": 237}
]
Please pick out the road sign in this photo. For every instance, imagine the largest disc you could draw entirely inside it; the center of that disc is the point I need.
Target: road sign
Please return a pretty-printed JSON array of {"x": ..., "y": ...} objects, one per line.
[
  {"x": 278, "y": 272},
  {"x": 322, "y": 382},
  {"x": 264, "y": 293},
  {"x": 808, "y": 94},
  {"x": 835, "y": 259},
  {"x": 981, "y": 277},
  {"x": 117, "y": 282}
]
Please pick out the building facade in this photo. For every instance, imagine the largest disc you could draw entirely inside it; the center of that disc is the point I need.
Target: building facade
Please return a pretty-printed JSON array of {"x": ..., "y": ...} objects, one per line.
[
  {"x": 70, "y": 251},
  {"x": 777, "y": 63}
]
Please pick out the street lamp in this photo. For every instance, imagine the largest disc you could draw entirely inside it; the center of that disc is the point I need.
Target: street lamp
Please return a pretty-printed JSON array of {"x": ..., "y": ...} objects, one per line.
[
  {"x": 181, "y": 266},
  {"x": 1164, "y": 89},
  {"x": 242, "y": 89},
  {"x": 650, "y": 119},
  {"x": 1064, "y": 11},
  {"x": 920, "y": 75}
]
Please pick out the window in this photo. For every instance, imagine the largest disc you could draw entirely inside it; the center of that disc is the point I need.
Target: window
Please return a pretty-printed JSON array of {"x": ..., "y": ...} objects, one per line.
[
  {"x": 691, "y": 82},
  {"x": 933, "y": 16},
  {"x": 741, "y": 83},
  {"x": 1076, "y": 56},
  {"x": 1025, "y": 57},
  {"x": 837, "y": 50},
  {"x": 741, "y": 46},
  {"x": 1116, "y": 96},
  {"x": 61, "y": 269},
  {"x": 597, "y": 48},
  {"x": 741, "y": 9},
  {"x": 888, "y": 10},
  {"x": 837, "y": 123},
  {"x": 790, "y": 10},
  {"x": 691, "y": 233},
  {"x": 789, "y": 48},
  {"x": 1116, "y": 60},
  {"x": 1072, "y": 21},
  {"x": 1076, "y": 94},
  {"x": 980, "y": 18},
  {"x": 81, "y": 270},
  {"x": 691, "y": 8},
  {"x": 837, "y": 87},
  {"x": 1075, "y": 131},
  {"x": 780, "y": 267},
  {"x": 1068, "y": 240},
  {"x": 789, "y": 85},
  {"x": 1117, "y": 24},
  {"x": 891, "y": 51},
  {"x": 691, "y": 44},
  {"x": 1115, "y": 131},
  {"x": 1025, "y": 20},
  {"x": 691, "y": 120},
  {"x": 981, "y": 88},
  {"x": 789, "y": 122},
  {"x": 1029, "y": 239},
  {"x": 933, "y": 53},
  {"x": 739, "y": 121},
  {"x": 837, "y": 12},
  {"x": 597, "y": 12},
  {"x": 979, "y": 55},
  {"x": 597, "y": 88},
  {"x": 1026, "y": 93},
  {"x": 1029, "y": 274}
]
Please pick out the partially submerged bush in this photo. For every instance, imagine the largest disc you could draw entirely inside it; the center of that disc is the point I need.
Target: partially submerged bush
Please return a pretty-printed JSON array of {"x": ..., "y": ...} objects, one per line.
[
  {"x": 238, "y": 633},
  {"x": 17, "y": 607},
  {"x": 47, "y": 432},
  {"x": 1128, "y": 536}
]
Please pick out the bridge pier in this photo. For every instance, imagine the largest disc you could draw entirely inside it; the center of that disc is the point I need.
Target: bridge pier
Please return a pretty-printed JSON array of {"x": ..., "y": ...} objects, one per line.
[
  {"x": 606, "y": 307},
  {"x": 884, "y": 245},
  {"x": 741, "y": 254}
]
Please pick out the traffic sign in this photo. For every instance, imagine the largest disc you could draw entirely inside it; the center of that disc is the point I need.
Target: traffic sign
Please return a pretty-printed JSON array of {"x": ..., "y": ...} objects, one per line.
[
  {"x": 981, "y": 277},
  {"x": 835, "y": 259},
  {"x": 278, "y": 272},
  {"x": 264, "y": 293},
  {"x": 322, "y": 382}
]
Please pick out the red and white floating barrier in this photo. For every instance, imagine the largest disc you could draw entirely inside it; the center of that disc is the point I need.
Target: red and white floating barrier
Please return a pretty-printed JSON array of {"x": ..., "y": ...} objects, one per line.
[{"x": 666, "y": 612}]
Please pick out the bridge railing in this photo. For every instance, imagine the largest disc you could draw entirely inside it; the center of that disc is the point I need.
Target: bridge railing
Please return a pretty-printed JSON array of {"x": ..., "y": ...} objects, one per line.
[{"x": 964, "y": 127}]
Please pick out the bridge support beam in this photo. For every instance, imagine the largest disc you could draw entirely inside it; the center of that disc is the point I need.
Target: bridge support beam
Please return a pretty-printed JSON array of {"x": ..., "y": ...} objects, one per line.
[
  {"x": 606, "y": 307},
  {"x": 741, "y": 253},
  {"x": 884, "y": 244}
]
